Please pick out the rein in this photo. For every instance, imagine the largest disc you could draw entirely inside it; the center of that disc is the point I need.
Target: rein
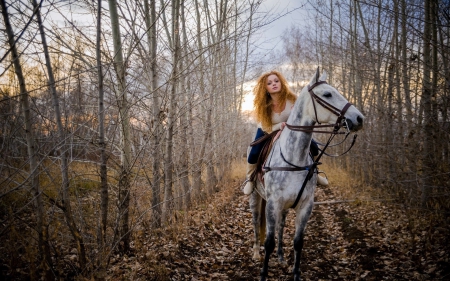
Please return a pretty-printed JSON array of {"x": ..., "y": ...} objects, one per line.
[{"x": 340, "y": 122}]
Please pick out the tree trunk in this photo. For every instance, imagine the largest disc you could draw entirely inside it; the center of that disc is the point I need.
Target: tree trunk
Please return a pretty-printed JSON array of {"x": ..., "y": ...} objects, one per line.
[
  {"x": 150, "y": 12},
  {"x": 330, "y": 47},
  {"x": 427, "y": 93},
  {"x": 435, "y": 74},
  {"x": 103, "y": 157},
  {"x": 446, "y": 102},
  {"x": 121, "y": 94},
  {"x": 200, "y": 152},
  {"x": 405, "y": 75},
  {"x": 168, "y": 161},
  {"x": 400, "y": 161},
  {"x": 63, "y": 150},
  {"x": 185, "y": 90},
  {"x": 41, "y": 225}
]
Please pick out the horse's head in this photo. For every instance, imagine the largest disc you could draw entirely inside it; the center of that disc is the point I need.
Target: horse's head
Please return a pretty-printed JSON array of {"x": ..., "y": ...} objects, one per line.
[{"x": 324, "y": 104}]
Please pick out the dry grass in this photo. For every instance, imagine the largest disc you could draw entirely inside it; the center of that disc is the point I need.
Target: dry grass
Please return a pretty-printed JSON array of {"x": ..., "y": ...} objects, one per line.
[
  {"x": 238, "y": 169},
  {"x": 349, "y": 187}
]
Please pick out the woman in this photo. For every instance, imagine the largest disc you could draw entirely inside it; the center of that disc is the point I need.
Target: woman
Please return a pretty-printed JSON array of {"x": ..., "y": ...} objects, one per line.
[{"x": 273, "y": 104}]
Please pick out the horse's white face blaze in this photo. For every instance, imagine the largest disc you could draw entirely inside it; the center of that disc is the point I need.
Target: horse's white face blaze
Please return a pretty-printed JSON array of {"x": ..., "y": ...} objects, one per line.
[{"x": 333, "y": 97}]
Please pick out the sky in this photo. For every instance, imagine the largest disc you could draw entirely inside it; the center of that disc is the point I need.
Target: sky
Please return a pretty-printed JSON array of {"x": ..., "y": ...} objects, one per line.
[
  {"x": 293, "y": 13},
  {"x": 268, "y": 39}
]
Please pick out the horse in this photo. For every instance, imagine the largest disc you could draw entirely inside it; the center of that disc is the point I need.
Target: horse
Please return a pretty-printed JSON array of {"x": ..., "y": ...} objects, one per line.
[{"x": 290, "y": 172}]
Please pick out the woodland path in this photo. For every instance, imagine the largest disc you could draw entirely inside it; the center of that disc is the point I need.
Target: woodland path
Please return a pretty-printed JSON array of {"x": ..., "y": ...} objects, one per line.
[{"x": 350, "y": 241}]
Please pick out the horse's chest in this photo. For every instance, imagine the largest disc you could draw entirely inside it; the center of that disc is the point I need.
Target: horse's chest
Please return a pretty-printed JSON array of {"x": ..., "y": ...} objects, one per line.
[{"x": 285, "y": 184}]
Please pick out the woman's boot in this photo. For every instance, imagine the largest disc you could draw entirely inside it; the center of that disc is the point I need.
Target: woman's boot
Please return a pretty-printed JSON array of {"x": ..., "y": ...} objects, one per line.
[
  {"x": 249, "y": 185},
  {"x": 322, "y": 180}
]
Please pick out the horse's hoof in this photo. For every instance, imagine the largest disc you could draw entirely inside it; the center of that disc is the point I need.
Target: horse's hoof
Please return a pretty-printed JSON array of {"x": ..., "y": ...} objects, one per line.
[
  {"x": 297, "y": 277},
  {"x": 263, "y": 278},
  {"x": 256, "y": 256}
]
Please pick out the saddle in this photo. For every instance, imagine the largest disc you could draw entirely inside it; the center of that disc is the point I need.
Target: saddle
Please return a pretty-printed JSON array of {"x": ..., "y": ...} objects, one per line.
[{"x": 268, "y": 140}]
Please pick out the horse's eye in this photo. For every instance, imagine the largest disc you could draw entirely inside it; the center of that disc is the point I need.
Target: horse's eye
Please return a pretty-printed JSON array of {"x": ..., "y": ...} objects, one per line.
[{"x": 327, "y": 95}]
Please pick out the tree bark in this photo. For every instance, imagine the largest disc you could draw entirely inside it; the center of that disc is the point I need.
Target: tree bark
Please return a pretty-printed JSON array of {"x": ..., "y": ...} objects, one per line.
[
  {"x": 168, "y": 161},
  {"x": 405, "y": 75},
  {"x": 121, "y": 94},
  {"x": 150, "y": 12},
  {"x": 41, "y": 224},
  {"x": 104, "y": 196},
  {"x": 185, "y": 92},
  {"x": 427, "y": 94},
  {"x": 63, "y": 150}
]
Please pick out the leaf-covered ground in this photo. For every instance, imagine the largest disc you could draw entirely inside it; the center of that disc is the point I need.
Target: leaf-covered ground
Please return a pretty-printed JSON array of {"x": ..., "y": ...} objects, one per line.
[{"x": 349, "y": 241}]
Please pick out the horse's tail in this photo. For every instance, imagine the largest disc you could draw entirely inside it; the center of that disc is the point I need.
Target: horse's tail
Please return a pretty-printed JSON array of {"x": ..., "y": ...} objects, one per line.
[{"x": 262, "y": 223}]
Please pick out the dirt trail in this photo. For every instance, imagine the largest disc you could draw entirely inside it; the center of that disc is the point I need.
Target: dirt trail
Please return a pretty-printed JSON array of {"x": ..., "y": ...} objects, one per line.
[{"x": 357, "y": 241}]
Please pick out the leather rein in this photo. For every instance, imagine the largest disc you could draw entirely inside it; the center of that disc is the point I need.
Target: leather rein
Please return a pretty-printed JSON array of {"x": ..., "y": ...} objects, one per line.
[{"x": 340, "y": 122}]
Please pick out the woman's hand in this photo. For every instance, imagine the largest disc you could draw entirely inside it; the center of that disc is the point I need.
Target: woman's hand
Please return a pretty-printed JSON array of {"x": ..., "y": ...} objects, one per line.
[{"x": 278, "y": 126}]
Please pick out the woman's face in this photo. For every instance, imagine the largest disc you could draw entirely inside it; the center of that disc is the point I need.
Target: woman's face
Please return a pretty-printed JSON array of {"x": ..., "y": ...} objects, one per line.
[{"x": 273, "y": 84}]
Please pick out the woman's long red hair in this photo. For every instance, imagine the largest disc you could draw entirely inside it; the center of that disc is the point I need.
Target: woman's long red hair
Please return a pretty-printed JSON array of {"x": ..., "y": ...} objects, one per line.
[{"x": 263, "y": 101}]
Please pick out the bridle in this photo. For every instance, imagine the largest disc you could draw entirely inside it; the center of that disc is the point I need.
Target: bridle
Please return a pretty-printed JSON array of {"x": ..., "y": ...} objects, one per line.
[
  {"x": 340, "y": 122},
  {"x": 340, "y": 113}
]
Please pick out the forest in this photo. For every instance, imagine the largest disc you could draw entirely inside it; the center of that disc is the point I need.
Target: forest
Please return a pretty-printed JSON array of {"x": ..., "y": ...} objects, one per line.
[{"x": 124, "y": 121}]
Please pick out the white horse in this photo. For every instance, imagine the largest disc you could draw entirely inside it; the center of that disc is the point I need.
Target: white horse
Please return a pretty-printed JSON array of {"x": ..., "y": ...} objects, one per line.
[{"x": 288, "y": 165}]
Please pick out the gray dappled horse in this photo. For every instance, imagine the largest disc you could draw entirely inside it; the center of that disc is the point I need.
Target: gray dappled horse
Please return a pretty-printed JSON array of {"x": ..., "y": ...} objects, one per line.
[{"x": 289, "y": 164}]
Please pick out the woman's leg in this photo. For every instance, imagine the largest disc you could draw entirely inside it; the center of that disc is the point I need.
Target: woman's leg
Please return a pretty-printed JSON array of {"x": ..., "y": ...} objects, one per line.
[{"x": 252, "y": 158}]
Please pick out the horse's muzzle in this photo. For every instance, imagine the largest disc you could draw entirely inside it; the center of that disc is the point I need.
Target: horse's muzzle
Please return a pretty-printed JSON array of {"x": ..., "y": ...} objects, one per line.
[{"x": 353, "y": 126}]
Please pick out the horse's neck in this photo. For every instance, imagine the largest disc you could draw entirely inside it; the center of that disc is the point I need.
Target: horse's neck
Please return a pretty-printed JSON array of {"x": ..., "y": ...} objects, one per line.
[{"x": 297, "y": 143}]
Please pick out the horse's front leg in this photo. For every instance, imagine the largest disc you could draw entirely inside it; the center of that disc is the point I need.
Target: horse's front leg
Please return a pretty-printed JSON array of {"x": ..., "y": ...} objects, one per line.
[
  {"x": 301, "y": 220},
  {"x": 269, "y": 244},
  {"x": 280, "y": 252},
  {"x": 257, "y": 216}
]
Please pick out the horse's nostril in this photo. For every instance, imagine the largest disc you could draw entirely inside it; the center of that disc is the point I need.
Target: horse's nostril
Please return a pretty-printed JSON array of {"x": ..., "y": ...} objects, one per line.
[
  {"x": 359, "y": 119},
  {"x": 348, "y": 124}
]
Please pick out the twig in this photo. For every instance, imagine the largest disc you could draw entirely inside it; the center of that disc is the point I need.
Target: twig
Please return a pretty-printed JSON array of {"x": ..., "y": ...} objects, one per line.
[{"x": 352, "y": 200}]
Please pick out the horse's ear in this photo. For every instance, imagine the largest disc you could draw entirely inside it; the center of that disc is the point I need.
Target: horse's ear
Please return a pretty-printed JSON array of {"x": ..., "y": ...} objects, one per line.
[
  {"x": 315, "y": 77},
  {"x": 323, "y": 77}
]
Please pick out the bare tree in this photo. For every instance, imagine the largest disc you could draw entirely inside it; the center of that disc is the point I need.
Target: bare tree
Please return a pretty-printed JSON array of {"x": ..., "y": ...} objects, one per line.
[
  {"x": 41, "y": 227},
  {"x": 168, "y": 161},
  {"x": 64, "y": 148},
  {"x": 396, "y": 68},
  {"x": 150, "y": 21},
  {"x": 102, "y": 227},
  {"x": 159, "y": 103},
  {"x": 122, "y": 100}
]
